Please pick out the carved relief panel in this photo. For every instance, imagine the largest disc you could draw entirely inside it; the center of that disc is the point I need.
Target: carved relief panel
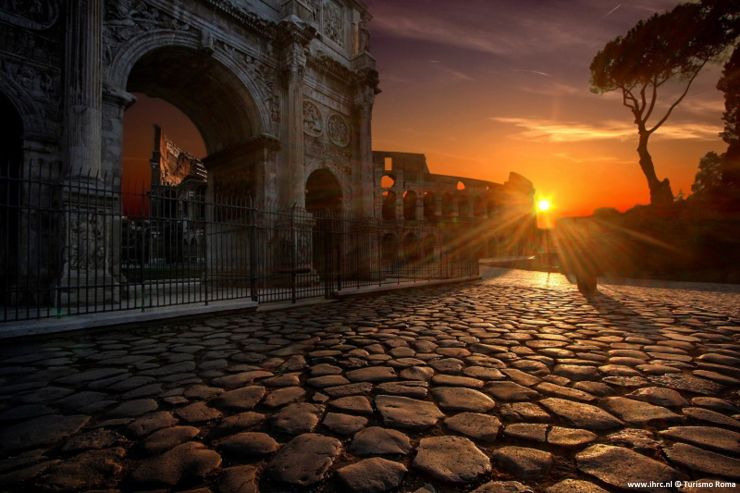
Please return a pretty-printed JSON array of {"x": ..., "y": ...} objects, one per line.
[
  {"x": 31, "y": 59},
  {"x": 327, "y": 134},
  {"x": 313, "y": 123},
  {"x": 334, "y": 22},
  {"x": 338, "y": 130}
]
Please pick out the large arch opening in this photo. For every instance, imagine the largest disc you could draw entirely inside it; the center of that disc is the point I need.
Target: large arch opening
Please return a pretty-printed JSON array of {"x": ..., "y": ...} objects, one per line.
[
  {"x": 323, "y": 193},
  {"x": 202, "y": 107},
  {"x": 11, "y": 163},
  {"x": 324, "y": 201},
  {"x": 210, "y": 95},
  {"x": 206, "y": 118}
]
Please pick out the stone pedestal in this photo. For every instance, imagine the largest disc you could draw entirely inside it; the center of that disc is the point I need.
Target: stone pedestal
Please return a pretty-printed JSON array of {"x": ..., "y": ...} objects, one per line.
[{"x": 87, "y": 279}]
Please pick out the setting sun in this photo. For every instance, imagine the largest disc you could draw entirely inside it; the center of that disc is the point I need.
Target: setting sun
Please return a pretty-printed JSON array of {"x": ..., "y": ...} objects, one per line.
[{"x": 543, "y": 205}]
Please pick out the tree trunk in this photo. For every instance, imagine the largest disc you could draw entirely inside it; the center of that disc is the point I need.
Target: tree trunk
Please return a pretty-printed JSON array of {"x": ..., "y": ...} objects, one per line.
[{"x": 660, "y": 191}]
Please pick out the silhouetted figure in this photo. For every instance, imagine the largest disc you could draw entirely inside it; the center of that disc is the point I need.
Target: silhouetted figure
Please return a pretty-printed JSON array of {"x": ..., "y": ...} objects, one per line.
[{"x": 587, "y": 283}]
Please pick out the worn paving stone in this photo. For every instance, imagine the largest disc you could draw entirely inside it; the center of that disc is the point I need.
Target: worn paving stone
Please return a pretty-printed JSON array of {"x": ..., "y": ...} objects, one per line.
[
  {"x": 510, "y": 391},
  {"x": 100, "y": 438},
  {"x": 412, "y": 388},
  {"x": 248, "y": 444},
  {"x": 503, "y": 487},
  {"x": 703, "y": 461},
  {"x": 151, "y": 422},
  {"x": 134, "y": 408},
  {"x": 404, "y": 412},
  {"x": 167, "y": 438},
  {"x": 344, "y": 424},
  {"x": 635, "y": 438},
  {"x": 375, "y": 440},
  {"x": 242, "y": 399},
  {"x": 452, "y": 459},
  {"x": 92, "y": 469},
  {"x": 198, "y": 412},
  {"x": 372, "y": 374},
  {"x": 422, "y": 373},
  {"x": 305, "y": 460},
  {"x": 44, "y": 430},
  {"x": 581, "y": 415},
  {"x": 374, "y": 475},
  {"x": 284, "y": 395},
  {"x": 295, "y": 419},
  {"x": 480, "y": 427},
  {"x": 719, "y": 439},
  {"x": 237, "y": 479},
  {"x": 710, "y": 416},
  {"x": 618, "y": 465},
  {"x": 190, "y": 460},
  {"x": 523, "y": 462},
  {"x": 352, "y": 404},
  {"x": 462, "y": 399},
  {"x": 569, "y": 437},
  {"x": 639, "y": 412},
  {"x": 523, "y": 411},
  {"x": 536, "y": 432},
  {"x": 239, "y": 422},
  {"x": 659, "y": 396},
  {"x": 574, "y": 486}
]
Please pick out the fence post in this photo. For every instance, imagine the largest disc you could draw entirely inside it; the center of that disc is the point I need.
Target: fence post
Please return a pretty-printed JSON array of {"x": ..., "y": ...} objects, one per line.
[
  {"x": 253, "y": 252},
  {"x": 293, "y": 253}
]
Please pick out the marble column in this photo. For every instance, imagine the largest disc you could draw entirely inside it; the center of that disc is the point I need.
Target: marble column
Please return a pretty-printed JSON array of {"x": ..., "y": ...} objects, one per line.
[
  {"x": 90, "y": 246},
  {"x": 84, "y": 87},
  {"x": 293, "y": 189},
  {"x": 364, "y": 179}
]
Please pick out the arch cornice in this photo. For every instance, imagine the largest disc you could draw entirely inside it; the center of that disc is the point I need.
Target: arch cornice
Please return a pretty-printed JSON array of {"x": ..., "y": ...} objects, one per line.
[{"x": 127, "y": 53}]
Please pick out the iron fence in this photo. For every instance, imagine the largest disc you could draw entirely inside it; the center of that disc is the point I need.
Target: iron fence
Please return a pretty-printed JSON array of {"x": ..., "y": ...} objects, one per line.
[{"x": 81, "y": 245}]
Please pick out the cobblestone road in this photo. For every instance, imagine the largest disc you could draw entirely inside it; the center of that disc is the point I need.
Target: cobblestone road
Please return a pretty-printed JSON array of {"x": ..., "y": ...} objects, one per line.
[{"x": 510, "y": 385}]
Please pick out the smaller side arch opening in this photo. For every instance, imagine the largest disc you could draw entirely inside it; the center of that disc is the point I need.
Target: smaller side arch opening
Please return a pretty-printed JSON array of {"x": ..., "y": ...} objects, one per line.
[
  {"x": 409, "y": 205},
  {"x": 389, "y": 205},
  {"x": 430, "y": 206}
]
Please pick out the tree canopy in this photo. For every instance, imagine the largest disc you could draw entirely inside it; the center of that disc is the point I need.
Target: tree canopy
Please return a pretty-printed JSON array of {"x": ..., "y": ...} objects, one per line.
[
  {"x": 709, "y": 177},
  {"x": 672, "y": 46}
]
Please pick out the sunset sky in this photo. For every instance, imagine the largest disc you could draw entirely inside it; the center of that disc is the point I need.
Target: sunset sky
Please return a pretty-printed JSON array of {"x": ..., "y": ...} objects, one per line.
[{"x": 485, "y": 87}]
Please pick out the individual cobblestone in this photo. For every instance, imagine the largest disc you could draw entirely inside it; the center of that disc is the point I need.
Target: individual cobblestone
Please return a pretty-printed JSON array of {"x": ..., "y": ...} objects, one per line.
[{"x": 408, "y": 391}]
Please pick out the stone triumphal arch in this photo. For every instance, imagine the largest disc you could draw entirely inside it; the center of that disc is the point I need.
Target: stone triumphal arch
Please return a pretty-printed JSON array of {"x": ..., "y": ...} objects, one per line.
[{"x": 281, "y": 92}]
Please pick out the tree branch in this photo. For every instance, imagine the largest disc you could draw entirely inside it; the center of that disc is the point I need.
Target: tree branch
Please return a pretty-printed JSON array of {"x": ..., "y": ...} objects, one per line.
[
  {"x": 653, "y": 98},
  {"x": 676, "y": 102},
  {"x": 628, "y": 96},
  {"x": 642, "y": 99}
]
